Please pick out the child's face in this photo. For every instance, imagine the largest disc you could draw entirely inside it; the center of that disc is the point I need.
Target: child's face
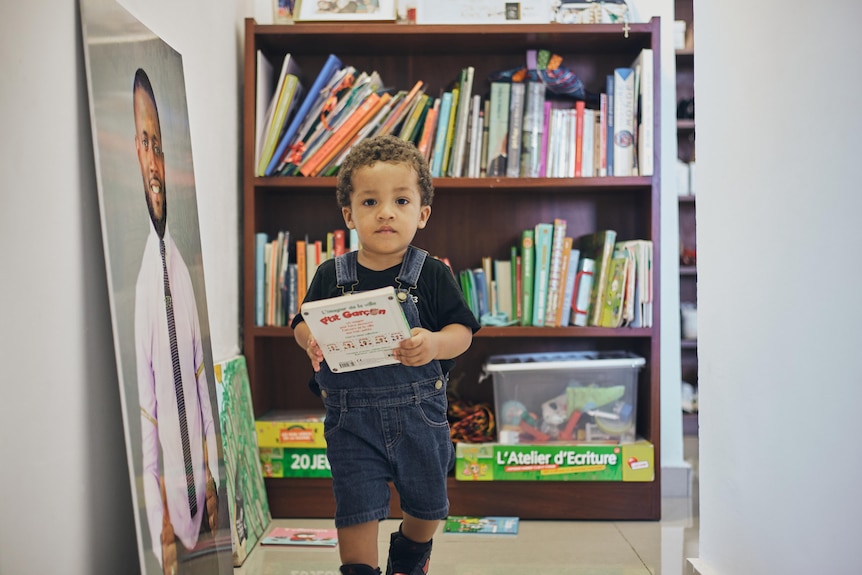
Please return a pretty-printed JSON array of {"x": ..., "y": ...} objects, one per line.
[{"x": 386, "y": 209}]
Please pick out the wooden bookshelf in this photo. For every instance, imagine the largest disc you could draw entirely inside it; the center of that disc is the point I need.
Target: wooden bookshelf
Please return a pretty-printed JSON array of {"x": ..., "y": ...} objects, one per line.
[{"x": 471, "y": 218}]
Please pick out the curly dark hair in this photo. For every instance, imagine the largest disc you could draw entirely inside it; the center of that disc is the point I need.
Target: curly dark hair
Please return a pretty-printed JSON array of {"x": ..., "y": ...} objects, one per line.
[{"x": 387, "y": 148}]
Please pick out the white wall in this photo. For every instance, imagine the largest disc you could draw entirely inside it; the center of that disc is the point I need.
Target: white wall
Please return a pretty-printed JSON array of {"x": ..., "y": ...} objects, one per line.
[
  {"x": 64, "y": 481},
  {"x": 780, "y": 326}
]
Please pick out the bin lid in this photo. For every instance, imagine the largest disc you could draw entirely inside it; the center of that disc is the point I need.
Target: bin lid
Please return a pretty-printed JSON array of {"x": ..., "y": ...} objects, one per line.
[{"x": 570, "y": 360}]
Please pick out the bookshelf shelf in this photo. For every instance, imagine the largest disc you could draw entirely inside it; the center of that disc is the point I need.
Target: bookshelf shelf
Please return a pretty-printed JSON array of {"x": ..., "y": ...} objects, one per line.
[{"x": 471, "y": 218}]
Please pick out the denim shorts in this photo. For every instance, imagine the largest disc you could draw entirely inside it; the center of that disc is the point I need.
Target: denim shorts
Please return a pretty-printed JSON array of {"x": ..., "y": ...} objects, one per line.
[{"x": 396, "y": 433}]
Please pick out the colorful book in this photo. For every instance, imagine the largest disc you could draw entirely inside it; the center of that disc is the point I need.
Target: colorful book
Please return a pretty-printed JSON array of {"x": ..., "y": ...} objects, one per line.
[
  {"x": 301, "y": 537},
  {"x": 440, "y": 138},
  {"x": 260, "y": 241},
  {"x": 496, "y": 525},
  {"x": 498, "y": 128},
  {"x": 571, "y": 255},
  {"x": 624, "y": 123},
  {"x": 598, "y": 246},
  {"x": 450, "y": 132},
  {"x": 246, "y": 492},
  {"x": 329, "y": 68},
  {"x": 541, "y": 271},
  {"x": 528, "y": 254},
  {"x": 614, "y": 293},
  {"x": 429, "y": 128},
  {"x": 288, "y": 92},
  {"x": 347, "y": 130},
  {"x": 357, "y": 330}
]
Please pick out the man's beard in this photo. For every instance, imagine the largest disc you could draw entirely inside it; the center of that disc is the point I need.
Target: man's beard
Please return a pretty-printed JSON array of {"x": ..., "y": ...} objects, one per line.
[{"x": 159, "y": 224}]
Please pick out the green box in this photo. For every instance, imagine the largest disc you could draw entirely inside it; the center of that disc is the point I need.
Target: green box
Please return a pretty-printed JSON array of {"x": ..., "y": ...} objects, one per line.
[
  {"x": 294, "y": 462},
  {"x": 555, "y": 462}
]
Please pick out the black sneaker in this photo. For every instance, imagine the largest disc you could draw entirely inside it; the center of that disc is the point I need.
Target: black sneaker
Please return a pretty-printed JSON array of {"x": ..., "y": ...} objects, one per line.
[{"x": 407, "y": 557}]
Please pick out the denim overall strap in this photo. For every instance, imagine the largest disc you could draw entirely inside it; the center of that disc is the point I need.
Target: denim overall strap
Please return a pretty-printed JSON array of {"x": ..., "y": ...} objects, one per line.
[
  {"x": 345, "y": 271},
  {"x": 411, "y": 267}
]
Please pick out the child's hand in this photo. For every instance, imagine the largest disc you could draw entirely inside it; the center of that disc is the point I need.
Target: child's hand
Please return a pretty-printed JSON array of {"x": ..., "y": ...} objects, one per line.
[
  {"x": 314, "y": 353},
  {"x": 419, "y": 349}
]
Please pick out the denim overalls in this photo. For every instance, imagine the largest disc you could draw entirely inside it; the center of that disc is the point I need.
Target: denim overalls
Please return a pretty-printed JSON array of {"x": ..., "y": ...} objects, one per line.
[{"x": 387, "y": 423}]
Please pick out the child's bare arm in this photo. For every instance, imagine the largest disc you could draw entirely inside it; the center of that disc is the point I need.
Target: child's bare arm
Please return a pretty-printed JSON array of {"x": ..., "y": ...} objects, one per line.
[
  {"x": 450, "y": 342},
  {"x": 302, "y": 335}
]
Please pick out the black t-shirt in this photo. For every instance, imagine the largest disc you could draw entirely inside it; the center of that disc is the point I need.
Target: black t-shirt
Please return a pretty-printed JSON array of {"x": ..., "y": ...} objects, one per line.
[{"x": 440, "y": 300}]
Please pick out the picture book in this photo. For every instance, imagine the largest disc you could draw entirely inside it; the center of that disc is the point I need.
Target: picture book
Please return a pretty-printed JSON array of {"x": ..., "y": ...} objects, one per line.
[
  {"x": 246, "y": 492},
  {"x": 359, "y": 330},
  {"x": 301, "y": 537},
  {"x": 481, "y": 525}
]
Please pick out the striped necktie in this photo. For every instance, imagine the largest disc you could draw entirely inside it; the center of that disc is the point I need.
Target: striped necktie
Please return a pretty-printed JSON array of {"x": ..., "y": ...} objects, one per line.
[{"x": 178, "y": 387}]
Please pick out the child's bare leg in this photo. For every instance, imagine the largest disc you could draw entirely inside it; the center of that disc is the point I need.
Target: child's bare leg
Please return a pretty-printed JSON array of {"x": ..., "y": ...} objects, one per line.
[
  {"x": 410, "y": 546},
  {"x": 418, "y": 530},
  {"x": 358, "y": 544}
]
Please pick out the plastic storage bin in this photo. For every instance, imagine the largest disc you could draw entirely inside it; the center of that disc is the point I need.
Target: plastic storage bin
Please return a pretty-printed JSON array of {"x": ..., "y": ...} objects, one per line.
[{"x": 588, "y": 396}]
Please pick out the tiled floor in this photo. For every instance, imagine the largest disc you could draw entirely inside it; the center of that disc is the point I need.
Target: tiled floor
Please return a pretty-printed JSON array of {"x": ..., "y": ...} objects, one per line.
[{"x": 540, "y": 548}]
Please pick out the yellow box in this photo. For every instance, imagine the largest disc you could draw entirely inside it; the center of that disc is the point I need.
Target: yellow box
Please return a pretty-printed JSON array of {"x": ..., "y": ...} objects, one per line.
[{"x": 290, "y": 429}]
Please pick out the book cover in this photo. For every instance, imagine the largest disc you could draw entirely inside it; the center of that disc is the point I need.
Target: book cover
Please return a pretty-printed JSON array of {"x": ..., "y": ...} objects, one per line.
[
  {"x": 465, "y": 95},
  {"x": 603, "y": 135},
  {"x": 401, "y": 109},
  {"x": 624, "y": 123},
  {"x": 498, "y": 128},
  {"x": 528, "y": 254},
  {"x": 301, "y": 537},
  {"x": 599, "y": 247},
  {"x": 450, "y": 132},
  {"x": 613, "y": 302},
  {"x": 289, "y": 91},
  {"x": 329, "y": 68},
  {"x": 588, "y": 145},
  {"x": 582, "y": 292},
  {"x": 517, "y": 96},
  {"x": 541, "y": 271},
  {"x": 609, "y": 127},
  {"x": 429, "y": 128},
  {"x": 643, "y": 66},
  {"x": 283, "y": 263},
  {"x": 571, "y": 255},
  {"x": 359, "y": 330},
  {"x": 503, "y": 284},
  {"x": 264, "y": 90},
  {"x": 260, "y": 241},
  {"x": 246, "y": 493},
  {"x": 531, "y": 129},
  {"x": 440, "y": 138},
  {"x": 546, "y": 129},
  {"x": 556, "y": 271},
  {"x": 497, "y": 525},
  {"x": 370, "y": 105}
]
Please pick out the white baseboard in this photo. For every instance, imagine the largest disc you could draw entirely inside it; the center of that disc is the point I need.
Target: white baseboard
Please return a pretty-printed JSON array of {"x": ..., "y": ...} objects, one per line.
[
  {"x": 676, "y": 480},
  {"x": 694, "y": 566}
]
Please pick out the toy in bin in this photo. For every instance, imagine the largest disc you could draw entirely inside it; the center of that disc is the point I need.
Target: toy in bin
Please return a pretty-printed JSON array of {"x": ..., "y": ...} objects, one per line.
[{"x": 567, "y": 396}]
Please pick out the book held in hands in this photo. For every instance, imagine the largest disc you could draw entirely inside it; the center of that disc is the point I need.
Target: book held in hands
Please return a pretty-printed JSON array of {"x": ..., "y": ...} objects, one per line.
[{"x": 359, "y": 330}]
